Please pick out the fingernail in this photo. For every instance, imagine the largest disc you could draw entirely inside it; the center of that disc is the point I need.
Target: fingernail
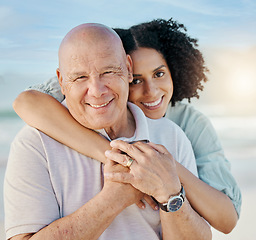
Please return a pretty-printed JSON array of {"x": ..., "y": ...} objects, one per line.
[
  {"x": 112, "y": 143},
  {"x": 156, "y": 207},
  {"x": 107, "y": 152}
]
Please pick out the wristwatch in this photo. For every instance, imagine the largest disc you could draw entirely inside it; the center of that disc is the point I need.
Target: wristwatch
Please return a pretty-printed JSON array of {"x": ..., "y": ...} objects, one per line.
[{"x": 174, "y": 203}]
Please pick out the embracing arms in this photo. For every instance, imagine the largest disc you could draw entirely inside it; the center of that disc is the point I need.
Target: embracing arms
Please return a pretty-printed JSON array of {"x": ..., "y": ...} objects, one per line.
[
  {"x": 153, "y": 172},
  {"x": 45, "y": 113},
  {"x": 48, "y": 115}
]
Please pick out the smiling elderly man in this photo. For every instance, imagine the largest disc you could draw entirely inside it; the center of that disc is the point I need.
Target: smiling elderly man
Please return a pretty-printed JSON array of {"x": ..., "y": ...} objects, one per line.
[{"x": 53, "y": 192}]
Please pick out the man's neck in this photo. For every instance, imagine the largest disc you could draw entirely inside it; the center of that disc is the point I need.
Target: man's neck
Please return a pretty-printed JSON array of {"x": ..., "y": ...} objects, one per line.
[{"x": 125, "y": 128}]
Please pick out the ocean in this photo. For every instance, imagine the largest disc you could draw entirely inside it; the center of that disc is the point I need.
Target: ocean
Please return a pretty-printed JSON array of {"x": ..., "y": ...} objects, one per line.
[{"x": 238, "y": 137}]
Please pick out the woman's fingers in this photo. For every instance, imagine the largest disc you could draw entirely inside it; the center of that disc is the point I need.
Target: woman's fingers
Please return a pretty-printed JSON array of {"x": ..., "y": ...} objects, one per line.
[
  {"x": 141, "y": 204},
  {"x": 158, "y": 147},
  {"x": 116, "y": 156},
  {"x": 138, "y": 151},
  {"x": 152, "y": 203},
  {"x": 124, "y": 147}
]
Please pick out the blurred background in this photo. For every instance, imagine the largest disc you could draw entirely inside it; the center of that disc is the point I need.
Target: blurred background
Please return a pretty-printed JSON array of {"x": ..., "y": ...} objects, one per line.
[{"x": 31, "y": 31}]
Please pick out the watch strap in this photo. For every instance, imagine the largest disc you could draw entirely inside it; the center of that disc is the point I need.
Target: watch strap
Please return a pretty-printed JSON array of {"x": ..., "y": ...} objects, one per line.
[{"x": 181, "y": 194}]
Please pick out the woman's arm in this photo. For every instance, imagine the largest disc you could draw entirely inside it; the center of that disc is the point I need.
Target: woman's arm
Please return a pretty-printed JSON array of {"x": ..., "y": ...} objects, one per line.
[
  {"x": 45, "y": 113},
  {"x": 213, "y": 205},
  {"x": 217, "y": 197}
]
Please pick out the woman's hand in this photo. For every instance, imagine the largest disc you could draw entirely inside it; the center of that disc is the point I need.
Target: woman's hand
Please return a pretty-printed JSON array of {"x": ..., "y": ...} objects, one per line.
[{"x": 153, "y": 170}]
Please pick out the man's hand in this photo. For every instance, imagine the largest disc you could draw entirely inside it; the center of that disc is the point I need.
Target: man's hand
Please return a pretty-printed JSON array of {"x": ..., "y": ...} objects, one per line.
[
  {"x": 124, "y": 191},
  {"x": 153, "y": 170}
]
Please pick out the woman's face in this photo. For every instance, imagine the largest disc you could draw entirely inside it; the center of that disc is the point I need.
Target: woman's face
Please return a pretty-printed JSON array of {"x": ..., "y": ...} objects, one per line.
[{"x": 152, "y": 86}]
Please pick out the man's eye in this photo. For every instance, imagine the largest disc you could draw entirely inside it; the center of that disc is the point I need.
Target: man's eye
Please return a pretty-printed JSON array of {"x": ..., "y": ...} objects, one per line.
[
  {"x": 81, "y": 77},
  {"x": 108, "y": 72},
  {"x": 159, "y": 74},
  {"x": 135, "y": 81}
]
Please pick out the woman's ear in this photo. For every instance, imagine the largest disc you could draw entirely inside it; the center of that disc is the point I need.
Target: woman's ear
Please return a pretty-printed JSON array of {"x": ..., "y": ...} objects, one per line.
[{"x": 129, "y": 67}]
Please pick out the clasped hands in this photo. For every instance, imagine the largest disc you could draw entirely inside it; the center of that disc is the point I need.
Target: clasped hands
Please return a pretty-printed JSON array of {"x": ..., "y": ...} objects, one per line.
[{"x": 151, "y": 173}]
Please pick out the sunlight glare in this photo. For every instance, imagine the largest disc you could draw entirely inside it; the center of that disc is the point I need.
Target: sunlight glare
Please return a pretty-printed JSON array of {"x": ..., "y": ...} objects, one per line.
[{"x": 243, "y": 83}]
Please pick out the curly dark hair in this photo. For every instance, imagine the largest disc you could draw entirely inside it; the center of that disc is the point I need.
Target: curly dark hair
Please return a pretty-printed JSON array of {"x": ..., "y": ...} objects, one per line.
[{"x": 169, "y": 38}]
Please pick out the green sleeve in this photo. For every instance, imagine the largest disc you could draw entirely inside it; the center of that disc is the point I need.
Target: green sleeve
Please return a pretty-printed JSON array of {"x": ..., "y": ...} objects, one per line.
[
  {"x": 50, "y": 87},
  {"x": 213, "y": 167}
]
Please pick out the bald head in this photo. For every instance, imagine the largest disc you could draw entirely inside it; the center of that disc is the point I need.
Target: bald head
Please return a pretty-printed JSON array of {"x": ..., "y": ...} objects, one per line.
[
  {"x": 94, "y": 73},
  {"x": 89, "y": 35}
]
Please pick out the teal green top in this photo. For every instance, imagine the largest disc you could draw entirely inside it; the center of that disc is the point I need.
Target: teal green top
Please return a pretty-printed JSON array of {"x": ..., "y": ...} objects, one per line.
[{"x": 213, "y": 167}]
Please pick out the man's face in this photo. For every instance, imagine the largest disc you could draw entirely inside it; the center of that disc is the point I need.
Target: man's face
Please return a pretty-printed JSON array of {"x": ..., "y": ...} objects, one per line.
[{"x": 95, "y": 81}]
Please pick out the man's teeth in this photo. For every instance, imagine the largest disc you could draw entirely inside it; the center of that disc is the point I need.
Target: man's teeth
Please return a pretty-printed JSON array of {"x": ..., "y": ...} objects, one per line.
[
  {"x": 152, "y": 104},
  {"x": 98, "y": 106}
]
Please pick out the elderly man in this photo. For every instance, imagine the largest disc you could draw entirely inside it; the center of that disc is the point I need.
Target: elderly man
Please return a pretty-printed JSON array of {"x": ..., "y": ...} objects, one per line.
[{"x": 53, "y": 192}]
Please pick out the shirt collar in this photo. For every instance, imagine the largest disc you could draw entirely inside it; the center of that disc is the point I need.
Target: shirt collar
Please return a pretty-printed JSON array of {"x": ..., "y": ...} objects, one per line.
[{"x": 141, "y": 125}]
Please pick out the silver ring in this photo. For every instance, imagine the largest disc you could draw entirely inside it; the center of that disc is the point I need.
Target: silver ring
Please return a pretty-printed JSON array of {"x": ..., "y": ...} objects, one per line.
[{"x": 129, "y": 163}]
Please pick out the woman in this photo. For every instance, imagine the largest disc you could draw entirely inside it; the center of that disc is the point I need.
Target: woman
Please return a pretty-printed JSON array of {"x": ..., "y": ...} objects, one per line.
[{"x": 167, "y": 68}]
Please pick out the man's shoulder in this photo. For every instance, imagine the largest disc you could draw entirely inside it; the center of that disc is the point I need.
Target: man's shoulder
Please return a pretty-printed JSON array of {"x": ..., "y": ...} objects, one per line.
[
  {"x": 163, "y": 123},
  {"x": 30, "y": 136},
  {"x": 165, "y": 130},
  {"x": 27, "y": 132}
]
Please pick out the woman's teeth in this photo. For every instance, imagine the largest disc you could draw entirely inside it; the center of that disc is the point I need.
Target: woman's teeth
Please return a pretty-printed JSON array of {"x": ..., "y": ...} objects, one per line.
[{"x": 153, "y": 104}]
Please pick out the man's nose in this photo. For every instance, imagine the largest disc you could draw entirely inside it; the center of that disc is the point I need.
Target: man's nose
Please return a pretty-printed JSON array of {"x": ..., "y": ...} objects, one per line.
[{"x": 97, "y": 87}]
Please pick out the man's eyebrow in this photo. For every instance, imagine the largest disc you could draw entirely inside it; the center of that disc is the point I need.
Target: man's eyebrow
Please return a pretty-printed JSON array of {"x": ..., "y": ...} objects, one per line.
[
  {"x": 77, "y": 74},
  {"x": 117, "y": 68}
]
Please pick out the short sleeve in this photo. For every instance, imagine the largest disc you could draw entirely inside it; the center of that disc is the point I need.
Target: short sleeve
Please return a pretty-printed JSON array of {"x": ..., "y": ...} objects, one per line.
[
  {"x": 212, "y": 165},
  {"x": 50, "y": 87},
  {"x": 29, "y": 199}
]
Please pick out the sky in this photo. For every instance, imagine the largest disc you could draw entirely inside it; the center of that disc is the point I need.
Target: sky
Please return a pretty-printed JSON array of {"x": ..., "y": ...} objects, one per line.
[{"x": 31, "y": 31}]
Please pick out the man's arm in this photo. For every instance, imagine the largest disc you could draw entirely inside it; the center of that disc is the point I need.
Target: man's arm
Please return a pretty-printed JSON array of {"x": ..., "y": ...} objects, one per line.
[
  {"x": 31, "y": 203},
  {"x": 184, "y": 224},
  {"x": 90, "y": 221}
]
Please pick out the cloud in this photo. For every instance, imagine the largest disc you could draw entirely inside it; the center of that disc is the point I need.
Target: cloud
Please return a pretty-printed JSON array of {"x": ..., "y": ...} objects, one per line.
[
  {"x": 208, "y": 7},
  {"x": 10, "y": 20},
  {"x": 6, "y": 13},
  {"x": 6, "y": 43}
]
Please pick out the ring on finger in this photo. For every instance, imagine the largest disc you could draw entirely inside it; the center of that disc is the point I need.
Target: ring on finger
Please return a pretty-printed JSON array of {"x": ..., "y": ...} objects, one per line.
[{"x": 129, "y": 163}]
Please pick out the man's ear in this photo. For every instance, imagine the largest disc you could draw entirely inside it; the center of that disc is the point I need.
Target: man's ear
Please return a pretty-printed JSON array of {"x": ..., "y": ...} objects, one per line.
[
  {"x": 129, "y": 67},
  {"x": 59, "y": 76}
]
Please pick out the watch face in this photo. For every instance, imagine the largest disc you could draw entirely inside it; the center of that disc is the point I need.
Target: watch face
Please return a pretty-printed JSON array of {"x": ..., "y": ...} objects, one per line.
[{"x": 175, "y": 204}]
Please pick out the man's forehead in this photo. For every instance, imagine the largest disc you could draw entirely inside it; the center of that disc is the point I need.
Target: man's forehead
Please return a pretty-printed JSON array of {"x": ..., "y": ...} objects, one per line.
[{"x": 87, "y": 70}]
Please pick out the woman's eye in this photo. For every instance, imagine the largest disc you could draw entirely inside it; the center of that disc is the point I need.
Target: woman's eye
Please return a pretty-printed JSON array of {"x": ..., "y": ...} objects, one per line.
[
  {"x": 159, "y": 74},
  {"x": 136, "y": 81}
]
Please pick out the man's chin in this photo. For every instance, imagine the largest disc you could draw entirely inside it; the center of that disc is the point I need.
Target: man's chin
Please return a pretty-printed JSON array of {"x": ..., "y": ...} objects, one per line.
[{"x": 96, "y": 125}]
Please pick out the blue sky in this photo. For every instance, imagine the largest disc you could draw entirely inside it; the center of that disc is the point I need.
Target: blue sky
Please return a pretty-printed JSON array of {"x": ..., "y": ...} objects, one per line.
[{"x": 31, "y": 30}]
